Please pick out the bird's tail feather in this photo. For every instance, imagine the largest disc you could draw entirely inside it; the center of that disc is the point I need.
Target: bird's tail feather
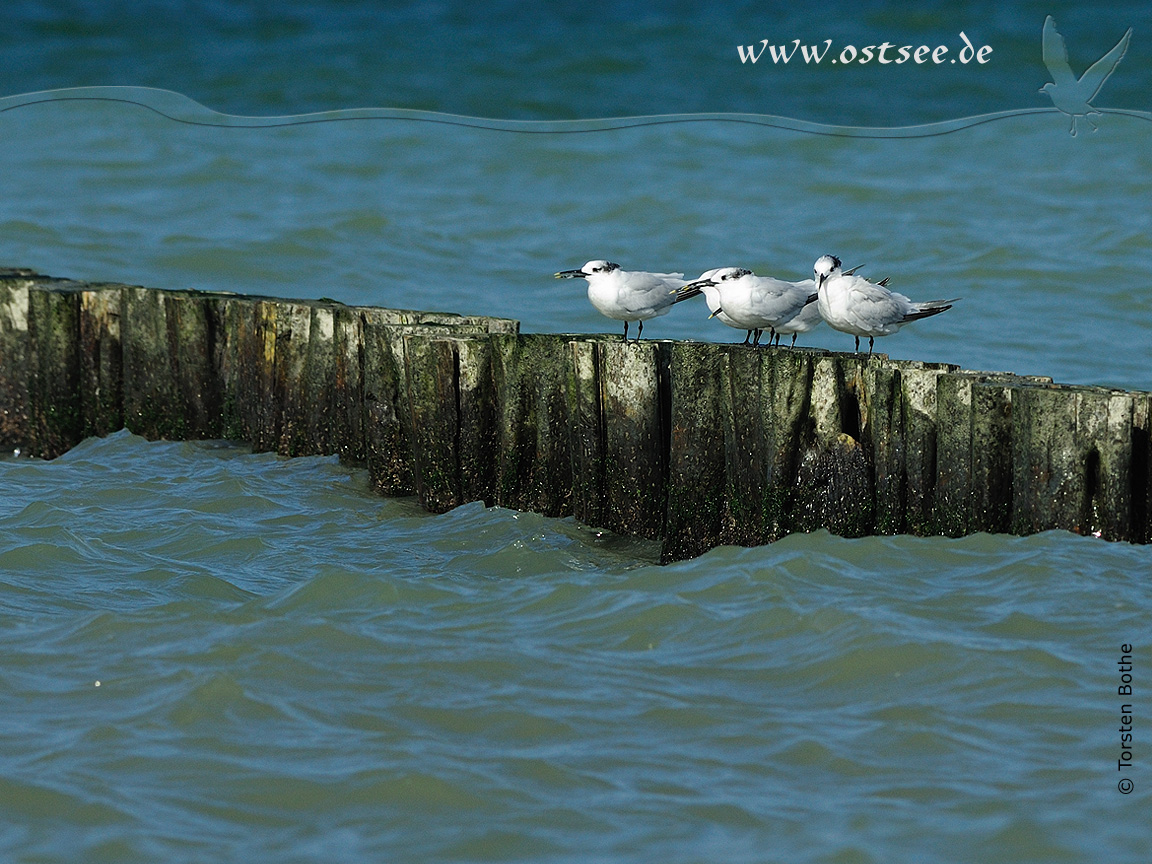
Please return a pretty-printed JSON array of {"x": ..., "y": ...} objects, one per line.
[
  {"x": 928, "y": 308},
  {"x": 685, "y": 293}
]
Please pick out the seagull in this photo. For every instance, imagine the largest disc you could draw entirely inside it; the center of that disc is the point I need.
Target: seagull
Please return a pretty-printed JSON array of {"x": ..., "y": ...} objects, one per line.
[
  {"x": 627, "y": 295},
  {"x": 809, "y": 317},
  {"x": 752, "y": 302},
  {"x": 852, "y": 304},
  {"x": 703, "y": 285},
  {"x": 1069, "y": 95}
]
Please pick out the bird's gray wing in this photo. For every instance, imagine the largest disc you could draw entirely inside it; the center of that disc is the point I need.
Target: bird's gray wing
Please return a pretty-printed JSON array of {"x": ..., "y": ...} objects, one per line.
[
  {"x": 642, "y": 292},
  {"x": 876, "y": 308},
  {"x": 1099, "y": 71},
  {"x": 1056, "y": 54}
]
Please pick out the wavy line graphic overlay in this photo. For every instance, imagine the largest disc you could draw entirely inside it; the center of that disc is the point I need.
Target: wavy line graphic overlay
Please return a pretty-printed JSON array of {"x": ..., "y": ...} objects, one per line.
[{"x": 182, "y": 109}]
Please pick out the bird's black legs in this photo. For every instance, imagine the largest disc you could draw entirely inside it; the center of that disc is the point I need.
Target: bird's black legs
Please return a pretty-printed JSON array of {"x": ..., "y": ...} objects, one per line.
[
  {"x": 793, "y": 340},
  {"x": 625, "y": 331},
  {"x": 870, "y": 340},
  {"x": 857, "y": 340},
  {"x": 639, "y": 330}
]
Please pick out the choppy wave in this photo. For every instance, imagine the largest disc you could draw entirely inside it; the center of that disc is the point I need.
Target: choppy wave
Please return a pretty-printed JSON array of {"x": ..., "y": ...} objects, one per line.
[{"x": 213, "y": 654}]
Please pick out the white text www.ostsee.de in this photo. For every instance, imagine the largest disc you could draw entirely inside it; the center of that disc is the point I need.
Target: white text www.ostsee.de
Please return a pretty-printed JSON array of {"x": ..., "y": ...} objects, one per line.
[{"x": 884, "y": 53}]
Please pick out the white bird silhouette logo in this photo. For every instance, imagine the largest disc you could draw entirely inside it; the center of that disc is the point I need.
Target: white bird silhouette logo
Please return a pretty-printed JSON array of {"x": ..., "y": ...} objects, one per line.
[{"x": 1071, "y": 95}]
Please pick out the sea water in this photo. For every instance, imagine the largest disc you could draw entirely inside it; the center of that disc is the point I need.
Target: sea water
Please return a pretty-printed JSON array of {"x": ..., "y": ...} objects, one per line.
[{"x": 210, "y": 654}]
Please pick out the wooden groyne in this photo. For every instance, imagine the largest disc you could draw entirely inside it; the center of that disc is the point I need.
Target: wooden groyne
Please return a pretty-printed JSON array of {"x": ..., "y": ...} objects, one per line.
[{"x": 692, "y": 444}]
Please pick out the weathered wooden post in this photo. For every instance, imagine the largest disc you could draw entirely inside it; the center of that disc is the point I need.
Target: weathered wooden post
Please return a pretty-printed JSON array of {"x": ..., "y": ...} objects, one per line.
[
  {"x": 634, "y": 398},
  {"x": 534, "y": 471},
  {"x": 1072, "y": 460},
  {"x": 55, "y": 411},
  {"x": 835, "y": 488},
  {"x": 586, "y": 433},
  {"x": 101, "y": 359},
  {"x": 434, "y": 420},
  {"x": 386, "y": 412},
  {"x": 170, "y": 387},
  {"x": 247, "y": 354},
  {"x": 15, "y": 349},
  {"x": 696, "y": 458},
  {"x": 1141, "y": 468},
  {"x": 747, "y": 425},
  {"x": 786, "y": 417}
]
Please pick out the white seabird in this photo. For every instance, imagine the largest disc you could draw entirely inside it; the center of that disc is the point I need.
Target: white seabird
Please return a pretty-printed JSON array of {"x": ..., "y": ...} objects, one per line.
[
  {"x": 627, "y": 295},
  {"x": 704, "y": 285},
  {"x": 852, "y": 304},
  {"x": 809, "y": 317},
  {"x": 752, "y": 302}
]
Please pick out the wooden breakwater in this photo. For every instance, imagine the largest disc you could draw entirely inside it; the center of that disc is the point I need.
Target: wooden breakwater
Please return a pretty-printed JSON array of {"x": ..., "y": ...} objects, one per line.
[{"x": 692, "y": 444}]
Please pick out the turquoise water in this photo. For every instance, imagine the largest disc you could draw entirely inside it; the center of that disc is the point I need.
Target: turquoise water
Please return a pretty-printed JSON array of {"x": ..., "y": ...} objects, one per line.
[
  {"x": 1042, "y": 235},
  {"x": 293, "y": 669},
  {"x": 290, "y": 668}
]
